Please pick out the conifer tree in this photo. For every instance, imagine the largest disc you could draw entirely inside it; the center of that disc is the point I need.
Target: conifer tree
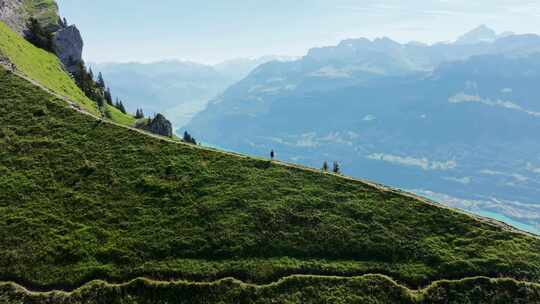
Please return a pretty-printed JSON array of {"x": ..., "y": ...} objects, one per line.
[
  {"x": 120, "y": 106},
  {"x": 139, "y": 114},
  {"x": 79, "y": 76},
  {"x": 91, "y": 74},
  {"x": 38, "y": 36},
  {"x": 107, "y": 95},
  {"x": 84, "y": 80},
  {"x": 100, "y": 82},
  {"x": 94, "y": 90}
]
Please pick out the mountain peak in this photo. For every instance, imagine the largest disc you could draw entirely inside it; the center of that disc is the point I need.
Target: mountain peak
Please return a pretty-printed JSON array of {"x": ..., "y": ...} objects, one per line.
[{"x": 480, "y": 34}]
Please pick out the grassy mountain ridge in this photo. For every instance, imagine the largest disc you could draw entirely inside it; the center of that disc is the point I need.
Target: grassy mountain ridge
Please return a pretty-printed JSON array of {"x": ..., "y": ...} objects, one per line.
[{"x": 83, "y": 200}]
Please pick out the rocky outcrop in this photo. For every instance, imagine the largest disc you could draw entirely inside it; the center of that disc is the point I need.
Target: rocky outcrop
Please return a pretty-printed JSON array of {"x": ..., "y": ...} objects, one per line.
[
  {"x": 158, "y": 125},
  {"x": 68, "y": 43},
  {"x": 12, "y": 14},
  {"x": 68, "y": 46},
  {"x": 16, "y": 13}
]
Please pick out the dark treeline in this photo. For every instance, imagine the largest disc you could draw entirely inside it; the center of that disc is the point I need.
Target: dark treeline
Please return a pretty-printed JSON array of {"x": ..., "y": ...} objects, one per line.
[
  {"x": 139, "y": 114},
  {"x": 39, "y": 36},
  {"x": 96, "y": 89},
  {"x": 119, "y": 105}
]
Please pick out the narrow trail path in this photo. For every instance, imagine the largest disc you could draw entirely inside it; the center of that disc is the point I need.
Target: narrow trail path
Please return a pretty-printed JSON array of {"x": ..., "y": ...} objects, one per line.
[{"x": 241, "y": 283}]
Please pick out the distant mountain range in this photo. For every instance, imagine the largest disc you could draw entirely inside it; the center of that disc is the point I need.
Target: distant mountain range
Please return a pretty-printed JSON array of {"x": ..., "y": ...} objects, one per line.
[
  {"x": 446, "y": 120},
  {"x": 177, "y": 88}
]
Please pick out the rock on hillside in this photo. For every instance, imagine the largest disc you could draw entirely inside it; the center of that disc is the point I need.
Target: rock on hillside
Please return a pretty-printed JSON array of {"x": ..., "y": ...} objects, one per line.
[
  {"x": 15, "y": 13},
  {"x": 10, "y": 13},
  {"x": 158, "y": 125},
  {"x": 68, "y": 45}
]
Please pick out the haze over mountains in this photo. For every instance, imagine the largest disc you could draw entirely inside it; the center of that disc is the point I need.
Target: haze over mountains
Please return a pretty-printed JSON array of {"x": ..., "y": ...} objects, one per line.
[
  {"x": 450, "y": 113},
  {"x": 447, "y": 120},
  {"x": 178, "y": 88}
]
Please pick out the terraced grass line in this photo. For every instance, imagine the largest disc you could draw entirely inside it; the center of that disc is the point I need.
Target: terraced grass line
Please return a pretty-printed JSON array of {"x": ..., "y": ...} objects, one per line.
[
  {"x": 293, "y": 289},
  {"x": 251, "y": 284}
]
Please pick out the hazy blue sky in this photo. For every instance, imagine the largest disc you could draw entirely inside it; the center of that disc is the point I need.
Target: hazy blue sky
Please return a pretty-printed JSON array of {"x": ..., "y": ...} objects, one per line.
[{"x": 210, "y": 31}]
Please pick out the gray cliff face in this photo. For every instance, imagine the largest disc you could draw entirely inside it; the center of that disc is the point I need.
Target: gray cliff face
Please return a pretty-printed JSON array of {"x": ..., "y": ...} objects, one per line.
[
  {"x": 158, "y": 125},
  {"x": 68, "y": 46},
  {"x": 16, "y": 13},
  {"x": 12, "y": 13}
]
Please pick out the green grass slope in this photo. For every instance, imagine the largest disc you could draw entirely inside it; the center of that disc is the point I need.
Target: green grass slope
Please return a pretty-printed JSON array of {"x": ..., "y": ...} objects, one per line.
[
  {"x": 117, "y": 116},
  {"x": 47, "y": 70},
  {"x": 41, "y": 66},
  {"x": 82, "y": 199}
]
